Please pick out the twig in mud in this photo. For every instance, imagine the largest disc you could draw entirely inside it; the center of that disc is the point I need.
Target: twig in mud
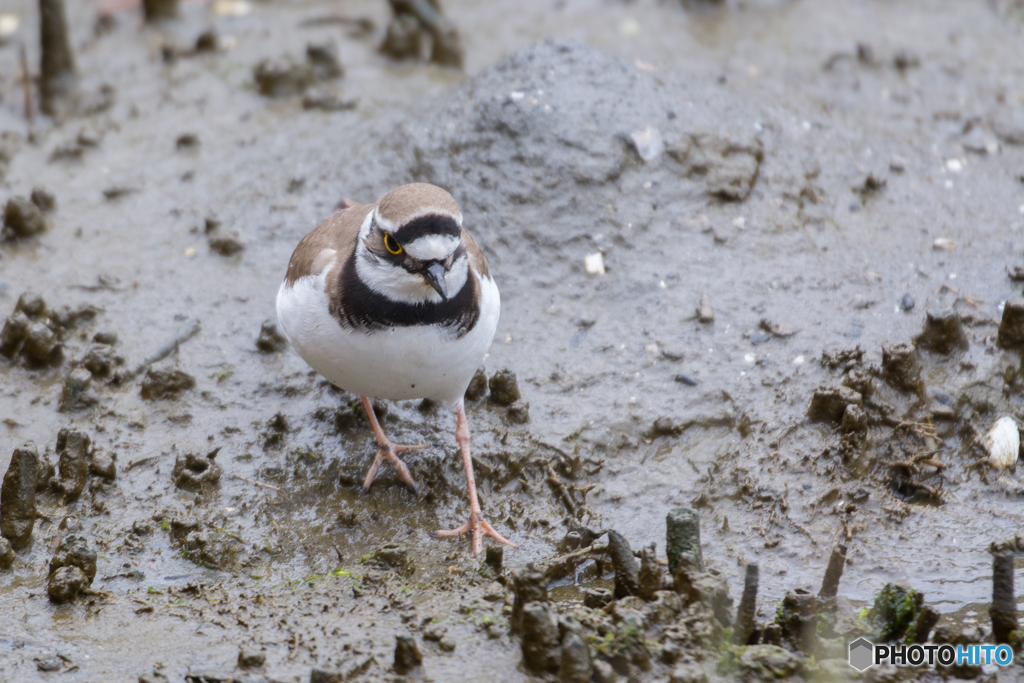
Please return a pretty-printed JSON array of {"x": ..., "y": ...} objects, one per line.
[
  {"x": 142, "y": 461},
  {"x": 561, "y": 492},
  {"x": 26, "y": 88},
  {"x": 558, "y": 565},
  {"x": 247, "y": 480},
  {"x": 189, "y": 330}
]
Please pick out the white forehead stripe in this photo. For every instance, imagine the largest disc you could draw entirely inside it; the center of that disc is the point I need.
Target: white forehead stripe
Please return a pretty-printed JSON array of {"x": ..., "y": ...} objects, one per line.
[{"x": 432, "y": 247}]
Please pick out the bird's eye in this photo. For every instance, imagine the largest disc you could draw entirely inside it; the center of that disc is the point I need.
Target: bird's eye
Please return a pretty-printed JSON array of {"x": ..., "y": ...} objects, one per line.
[{"x": 391, "y": 244}]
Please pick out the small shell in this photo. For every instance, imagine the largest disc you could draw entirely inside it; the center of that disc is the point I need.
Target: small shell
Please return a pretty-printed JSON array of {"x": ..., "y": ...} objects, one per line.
[
  {"x": 1003, "y": 443},
  {"x": 594, "y": 263}
]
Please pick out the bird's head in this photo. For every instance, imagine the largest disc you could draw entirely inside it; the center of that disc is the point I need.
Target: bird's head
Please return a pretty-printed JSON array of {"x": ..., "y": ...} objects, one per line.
[{"x": 411, "y": 246}]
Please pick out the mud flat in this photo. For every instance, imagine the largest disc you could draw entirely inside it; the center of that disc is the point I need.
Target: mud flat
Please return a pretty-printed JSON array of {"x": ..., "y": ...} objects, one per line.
[{"x": 761, "y": 273}]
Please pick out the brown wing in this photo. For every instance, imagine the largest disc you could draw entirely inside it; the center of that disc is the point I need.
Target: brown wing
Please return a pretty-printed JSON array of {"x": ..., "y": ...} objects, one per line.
[
  {"x": 339, "y": 233},
  {"x": 476, "y": 256}
]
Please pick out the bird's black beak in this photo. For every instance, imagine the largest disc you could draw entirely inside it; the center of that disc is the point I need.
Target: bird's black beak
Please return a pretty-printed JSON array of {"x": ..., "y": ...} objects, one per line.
[{"x": 435, "y": 276}]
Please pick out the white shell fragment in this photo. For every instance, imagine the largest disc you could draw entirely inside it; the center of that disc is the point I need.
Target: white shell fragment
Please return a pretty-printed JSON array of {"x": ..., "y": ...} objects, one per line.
[
  {"x": 230, "y": 8},
  {"x": 1003, "y": 443},
  {"x": 944, "y": 243},
  {"x": 594, "y": 263},
  {"x": 8, "y": 25},
  {"x": 648, "y": 143}
]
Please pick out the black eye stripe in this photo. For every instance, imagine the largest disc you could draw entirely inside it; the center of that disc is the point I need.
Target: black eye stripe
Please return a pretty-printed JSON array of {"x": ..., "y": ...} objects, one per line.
[{"x": 430, "y": 224}]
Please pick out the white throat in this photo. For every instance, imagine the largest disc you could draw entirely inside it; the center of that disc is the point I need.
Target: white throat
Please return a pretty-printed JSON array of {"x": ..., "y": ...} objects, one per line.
[{"x": 398, "y": 284}]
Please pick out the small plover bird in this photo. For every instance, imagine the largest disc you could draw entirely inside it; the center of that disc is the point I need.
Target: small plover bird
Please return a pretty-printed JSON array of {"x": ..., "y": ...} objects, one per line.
[{"x": 394, "y": 300}]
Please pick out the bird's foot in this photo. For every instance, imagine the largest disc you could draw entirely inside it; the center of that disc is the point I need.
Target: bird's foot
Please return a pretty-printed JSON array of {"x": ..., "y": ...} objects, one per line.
[
  {"x": 479, "y": 528},
  {"x": 389, "y": 451}
]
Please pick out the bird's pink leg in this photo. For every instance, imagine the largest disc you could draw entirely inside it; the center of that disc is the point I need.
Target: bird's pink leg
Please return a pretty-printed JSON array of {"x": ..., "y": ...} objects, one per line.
[
  {"x": 476, "y": 525},
  {"x": 387, "y": 451}
]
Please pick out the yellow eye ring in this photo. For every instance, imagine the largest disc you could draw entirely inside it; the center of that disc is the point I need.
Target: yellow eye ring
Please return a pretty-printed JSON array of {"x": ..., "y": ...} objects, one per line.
[{"x": 391, "y": 244}]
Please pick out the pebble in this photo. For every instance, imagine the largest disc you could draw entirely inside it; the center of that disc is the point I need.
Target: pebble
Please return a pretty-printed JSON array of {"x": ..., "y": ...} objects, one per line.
[
  {"x": 685, "y": 379},
  {"x": 828, "y": 404},
  {"x": 159, "y": 384},
  {"x": 323, "y": 59},
  {"x": 65, "y": 584},
  {"x": 41, "y": 346},
  {"x": 594, "y": 263},
  {"x": 18, "y": 496},
  {"x": 226, "y": 245},
  {"x": 7, "y": 553},
  {"x": 1011, "y": 326},
  {"x": 251, "y": 659},
  {"x": 326, "y": 100},
  {"x": 187, "y": 141},
  {"x": 408, "y": 657},
  {"x": 22, "y": 218},
  {"x": 907, "y": 302},
  {"x": 282, "y": 77},
  {"x": 504, "y": 387},
  {"x": 73, "y": 466},
  {"x": 270, "y": 339},
  {"x": 943, "y": 331},
  {"x": 705, "y": 313},
  {"x": 519, "y": 413},
  {"x": 75, "y": 394},
  {"x": 43, "y": 199}
]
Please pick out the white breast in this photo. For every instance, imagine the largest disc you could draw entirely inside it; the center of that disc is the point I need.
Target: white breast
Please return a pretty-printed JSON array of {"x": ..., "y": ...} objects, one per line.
[{"x": 398, "y": 363}]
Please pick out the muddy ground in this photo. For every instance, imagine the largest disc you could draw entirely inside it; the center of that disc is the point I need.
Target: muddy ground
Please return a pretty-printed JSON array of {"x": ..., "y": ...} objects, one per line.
[{"x": 822, "y": 175}]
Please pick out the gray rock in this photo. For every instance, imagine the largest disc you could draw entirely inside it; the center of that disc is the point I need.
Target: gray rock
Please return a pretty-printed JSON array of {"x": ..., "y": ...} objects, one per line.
[
  {"x": 75, "y": 393},
  {"x": 73, "y": 465},
  {"x": 575, "y": 666},
  {"x": 768, "y": 663},
  {"x": 23, "y": 218},
  {"x": 271, "y": 340},
  {"x": 323, "y": 59},
  {"x": 251, "y": 659},
  {"x": 42, "y": 346},
  {"x": 901, "y": 367},
  {"x": 13, "y": 334},
  {"x": 943, "y": 332},
  {"x": 627, "y": 574},
  {"x": 407, "y": 654},
  {"x": 101, "y": 359},
  {"x": 828, "y": 404},
  {"x": 282, "y": 77},
  {"x": 528, "y": 585},
  {"x": 855, "y": 420},
  {"x": 159, "y": 384},
  {"x": 7, "y": 553},
  {"x": 683, "y": 536},
  {"x": 650, "y": 574},
  {"x": 18, "y": 496},
  {"x": 604, "y": 673},
  {"x": 226, "y": 245},
  {"x": 541, "y": 650},
  {"x": 519, "y": 413},
  {"x": 75, "y": 551},
  {"x": 1011, "y": 327},
  {"x": 65, "y": 584}
]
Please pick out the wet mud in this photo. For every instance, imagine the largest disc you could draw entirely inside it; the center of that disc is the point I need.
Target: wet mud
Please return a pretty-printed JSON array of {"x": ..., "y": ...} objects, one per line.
[{"x": 760, "y": 269}]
